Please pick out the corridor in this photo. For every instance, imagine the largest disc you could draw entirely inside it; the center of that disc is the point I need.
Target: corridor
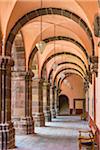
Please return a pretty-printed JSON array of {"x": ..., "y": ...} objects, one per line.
[{"x": 60, "y": 134}]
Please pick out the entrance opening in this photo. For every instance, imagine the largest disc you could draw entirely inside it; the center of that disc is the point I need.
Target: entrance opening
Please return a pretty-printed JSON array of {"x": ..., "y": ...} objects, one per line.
[{"x": 64, "y": 105}]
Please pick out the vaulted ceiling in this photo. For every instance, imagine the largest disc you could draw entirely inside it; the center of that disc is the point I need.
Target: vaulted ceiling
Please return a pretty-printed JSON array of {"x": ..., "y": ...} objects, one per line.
[{"x": 67, "y": 23}]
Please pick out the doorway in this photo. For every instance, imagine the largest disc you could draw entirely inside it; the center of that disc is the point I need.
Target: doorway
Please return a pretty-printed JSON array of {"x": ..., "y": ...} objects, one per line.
[{"x": 64, "y": 105}]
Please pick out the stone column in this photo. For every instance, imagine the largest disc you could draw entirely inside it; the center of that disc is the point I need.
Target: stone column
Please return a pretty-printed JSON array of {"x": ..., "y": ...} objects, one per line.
[
  {"x": 86, "y": 87},
  {"x": 46, "y": 98},
  {"x": 0, "y": 45},
  {"x": 26, "y": 123},
  {"x": 86, "y": 107},
  {"x": 53, "y": 111},
  {"x": 57, "y": 101},
  {"x": 94, "y": 71},
  {"x": 7, "y": 131},
  {"x": 18, "y": 97},
  {"x": 38, "y": 114}
]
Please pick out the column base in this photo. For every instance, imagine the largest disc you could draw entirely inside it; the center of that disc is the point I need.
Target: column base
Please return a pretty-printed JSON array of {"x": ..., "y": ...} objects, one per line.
[
  {"x": 39, "y": 119},
  {"x": 26, "y": 126},
  {"x": 53, "y": 113},
  {"x": 74, "y": 112},
  {"x": 7, "y": 136},
  {"x": 47, "y": 116},
  {"x": 57, "y": 112}
]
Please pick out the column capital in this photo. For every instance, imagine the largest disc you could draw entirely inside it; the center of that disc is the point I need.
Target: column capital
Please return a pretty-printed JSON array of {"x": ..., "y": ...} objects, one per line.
[
  {"x": 58, "y": 90},
  {"x": 40, "y": 80},
  {"x": 97, "y": 25},
  {"x": 86, "y": 85},
  {"x": 29, "y": 74},
  {"x": 6, "y": 61},
  {"x": 94, "y": 64},
  {"x": 53, "y": 87},
  {"x": 94, "y": 59},
  {"x": 46, "y": 83},
  {"x": 89, "y": 76}
]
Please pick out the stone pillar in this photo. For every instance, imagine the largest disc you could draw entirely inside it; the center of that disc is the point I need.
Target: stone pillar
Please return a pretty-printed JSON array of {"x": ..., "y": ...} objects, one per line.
[
  {"x": 26, "y": 125},
  {"x": 86, "y": 90},
  {"x": 38, "y": 115},
  {"x": 18, "y": 97},
  {"x": 7, "y": 131},
  {"x": 57, "y": 101},
  {"x": 53, "y": 111},
  {"x": 86, "y": 87},
  {"x": 46, "y": 101},
  {"x": 0, "y": 45},
  {"x": 94, "y": 71}
]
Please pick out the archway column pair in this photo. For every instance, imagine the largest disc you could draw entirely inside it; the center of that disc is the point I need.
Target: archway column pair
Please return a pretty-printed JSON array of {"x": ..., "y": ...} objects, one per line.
[
  {"x": 91, "y": 78},
  {"x": 53, "y": 102},
  {"x": 46, "y": 101},
  {"x": 37, "y": 102},
  {"x": 7, "y": 131},
  {"x": 57, "y": 101},
  {"x": 94, "y": 72},
  {"x": 85, "y": 101},
  {"x": 26, "y": 125}
]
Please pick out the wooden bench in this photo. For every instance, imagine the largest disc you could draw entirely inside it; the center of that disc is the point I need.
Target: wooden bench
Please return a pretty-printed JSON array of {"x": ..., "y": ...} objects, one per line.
[{"x": 87, "y": 139}]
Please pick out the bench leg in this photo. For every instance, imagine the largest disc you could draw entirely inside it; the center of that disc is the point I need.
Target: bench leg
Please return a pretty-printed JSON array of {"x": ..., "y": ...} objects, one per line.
[
  {"x": 93, "y": 147},
  {"x": 80, "y": 146}
]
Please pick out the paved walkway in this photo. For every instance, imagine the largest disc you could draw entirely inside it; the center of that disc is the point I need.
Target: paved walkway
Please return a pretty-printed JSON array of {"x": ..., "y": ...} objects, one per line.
[{"x": 61, "y": 134}]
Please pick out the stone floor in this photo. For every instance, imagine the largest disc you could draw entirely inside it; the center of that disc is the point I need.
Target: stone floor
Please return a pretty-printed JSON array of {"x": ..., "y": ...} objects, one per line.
[{"x": 61, "y": 134}]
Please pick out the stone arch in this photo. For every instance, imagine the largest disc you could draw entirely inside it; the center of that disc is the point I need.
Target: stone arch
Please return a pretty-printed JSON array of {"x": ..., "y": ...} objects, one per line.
[
  {"x": 54, "y": 38},
  {"x": 69, "y": 75},
  {"x": 58, "y": 84},
  {"x": 0, "y": 41},
  {"x": 46, "y": 11},
  {"x": 61, "y": 53},
  {"x": 72, "y": 64},
  {"x": 69, "y": 39},
  {"x": 18, "y": 77},
  {"x": 65, "y": 63},
  {"x": 67, "y": 69},
  {"x": 18, "y": 53}
]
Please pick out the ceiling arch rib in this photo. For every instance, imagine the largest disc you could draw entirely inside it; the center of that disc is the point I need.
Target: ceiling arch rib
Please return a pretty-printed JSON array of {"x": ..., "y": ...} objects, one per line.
[
  {"x": 62, "y": 46},
  {"x": 59, "y": 38},
  {"x": 69, "y": 69},
  {"x": 60, "y": 80},
  {"x": 44, "y": 11},
  {"x": 73, "y": 64},
  {"x": 61, "y": 58},
  {"x": 70, "y": 40},
  {"x": 65, "y": 62},
  {"x": 57, "y": 54},
  {"x": 32, "y": 37},
  {"x": 67, "y": 74},
  {"x": 68, "y": 66},
  {"x": 65, "y": 27}
]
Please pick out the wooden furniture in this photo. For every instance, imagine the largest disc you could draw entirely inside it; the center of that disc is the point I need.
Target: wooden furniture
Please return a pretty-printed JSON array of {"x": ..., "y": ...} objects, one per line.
[{"x": 86, "y": 139}]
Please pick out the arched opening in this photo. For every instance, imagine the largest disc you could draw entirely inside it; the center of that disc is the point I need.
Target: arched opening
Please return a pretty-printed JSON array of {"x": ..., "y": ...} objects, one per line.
[
  {"x": 63, "y": 105},
  {"x": 68, "y": 88}
]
